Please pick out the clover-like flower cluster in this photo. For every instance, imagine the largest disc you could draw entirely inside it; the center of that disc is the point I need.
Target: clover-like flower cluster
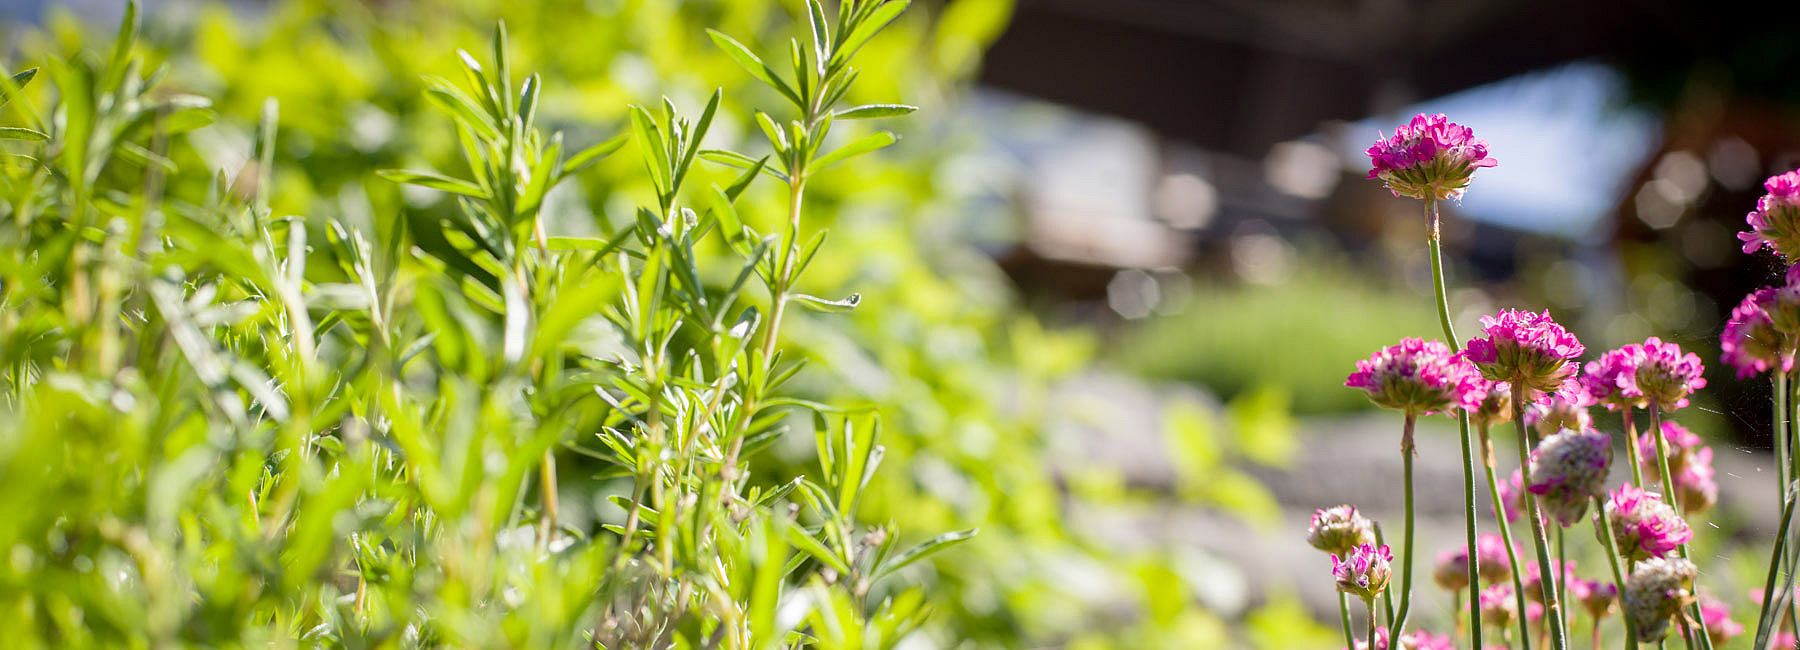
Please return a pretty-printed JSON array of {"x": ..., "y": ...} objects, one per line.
[
  {"x": 1775, "y": 223},
  {"x": 1690, "y": 465},
  {"x": 1643, "y": 525},
  {"x": 1716, "y": 616},
  {"x": 1527, "y": 349},
  {"x": 1418, "y": 377},
  {"x": 1565, "y": 409},
  {"x": 1569, "y": 470},
  {"x": 1609, "y": 380},
  {"x": 1495, "y": 407},
  {"x": 1339, "y": 530},
  {"x": 1364, "y": 572},
  {"x": 1498, "y": 608},
  {"x": 1594, "y": 595},
  {"x": 1666, "y": 375},
  {"x": 1655, "y": 591},
  {"x": 1751, "y": 343},
  {"x": 1429, "y": 157}
]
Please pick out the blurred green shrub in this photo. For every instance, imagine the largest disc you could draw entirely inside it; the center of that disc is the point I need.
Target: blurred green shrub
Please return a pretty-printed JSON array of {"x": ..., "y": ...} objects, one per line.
[{"x": 1300, "y": 337}]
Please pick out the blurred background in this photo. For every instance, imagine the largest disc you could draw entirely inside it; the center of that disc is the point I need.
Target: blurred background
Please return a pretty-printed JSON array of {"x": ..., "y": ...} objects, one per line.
[{"x": 1127, "y": 251}]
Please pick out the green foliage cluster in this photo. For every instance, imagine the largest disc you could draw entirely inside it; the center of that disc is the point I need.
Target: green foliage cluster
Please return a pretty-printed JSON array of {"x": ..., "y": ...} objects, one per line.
[
  {"x": 1241, "y": 339},
  {"x": 258, "y": 392}
]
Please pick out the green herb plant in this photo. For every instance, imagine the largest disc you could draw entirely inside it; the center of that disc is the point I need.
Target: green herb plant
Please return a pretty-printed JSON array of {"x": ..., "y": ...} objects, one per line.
[{"x": 223, "y": 425}]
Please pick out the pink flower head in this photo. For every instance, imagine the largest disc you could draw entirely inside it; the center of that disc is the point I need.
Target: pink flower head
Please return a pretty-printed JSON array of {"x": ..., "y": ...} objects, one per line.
[
  {"x": 1643, "y": 525},
  {"x": 1717, "y": 618},
  {"x": 1533, "y": 576},
  {"x": 1655, "y": 591},
  {"x": 1423, "y": 640},
  {"x": 1512, "y": 495},
  {"x": 1525, "y": 348},
  {"x": 1697, "y": 485},
  {"x": 1381, "y": 640},
  {"x": 1568, "y": 470},
  {"x": 1414, "y": 640},
  {"x": 1493, "y": 563},
  {"x": 1498, "y": 607},
  {"x": 1428, "y": 158},
  {"x": 1785, "y": 640},
  {"x": 1339, "y": 530},
  {"x": 1610, "y": 380},
  {"x": 1751, "y": 343},
  {"x": 1418, "y": 377},
  {"x": 1566, "y": 409},
  {"x": 1451, "y": 570},
  {"x": 1364, "y": 572},
  {"x": 1681, "y": 442},
  {"x": 1667, "y": 375},
  {"x": 1775, "y": 223},
  {"x": 1595, "y": 596},
  {"x": 1496, "y": 404}
]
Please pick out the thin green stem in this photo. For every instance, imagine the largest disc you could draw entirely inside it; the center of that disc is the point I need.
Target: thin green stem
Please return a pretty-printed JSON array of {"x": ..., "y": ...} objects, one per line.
[
  {"x": 1344, "y": 616},
  {"x": 1407, "y": 451},
  {"x": 1631, "y": 453},
  {"x": 1604, "y": 531},
  {"x": 1512, "y": 553},
  {"x": 1668, "y": 488},
  {"x": 1371, "y": 604},
  {"x": 1539, "y": 540},
  {"x": 1434, "y": 242}
]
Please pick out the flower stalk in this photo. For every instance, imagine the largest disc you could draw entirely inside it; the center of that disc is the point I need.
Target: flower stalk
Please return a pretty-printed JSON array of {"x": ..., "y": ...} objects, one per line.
[
  {"x": 1553, "y": 618},
  {"x": 1434, "y": 243}
]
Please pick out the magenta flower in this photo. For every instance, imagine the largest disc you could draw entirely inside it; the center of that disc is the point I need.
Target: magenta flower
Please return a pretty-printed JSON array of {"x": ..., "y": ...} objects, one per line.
[
  {"x": 1493, "y": 563},
  {"x": 1418, "y": 377},
  {"x": 1498, "y": 608},
  {"x": 1423, "y": 640},
  {"x": 1643, "y": 525},
  {"x": 1451, "y": 570},
  {"x": 1364, "y": 572},
  {"x": 1428, "y": 158},
  {"x": 1697, "y": 485},
  {"x": 1681, "y": 442},
  {"x": 1751, "y": 343},
  {"x": 1610, "y": 380},
  {"x": 1381, "y": 640},
  {"x": 1339, "y": 530},
  {"x": 1512, "y": 495},
  {"x": 1566, "y": 409},
  {"x": 1525, "y": 348},
  {"x": 1534, "y": 591},
  {"x": 1496, "y": 405},
  {"x": 1666, "y": 376},
  {"x": 1568, "y": 470},
  {"x": 1595, "y": 596},
  {"x": 1716, "y": 616},
  {"x": 1775, "y": 223}
]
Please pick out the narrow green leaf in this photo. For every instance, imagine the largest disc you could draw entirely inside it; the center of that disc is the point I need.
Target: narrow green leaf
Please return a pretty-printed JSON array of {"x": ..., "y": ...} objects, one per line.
[
  {"x": 871, "y": 142},
  {"x": 593, "y": 154},
  {"x": 22, "y": 133},
  {"x": 816, "y": 303},
  {"x": 16, "y": 84},
  {"x": 871, "y": 111},
  {"x": 654, "y": 149},
  {"x": 877, "y": 20},
  {"x": 753, "y": 64},
  {"x": 741, "y": 161},
  {"x": 434, "y": 181},
  {"x": 931, "y": 547},
  {"x": 805, "y": 542}
]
